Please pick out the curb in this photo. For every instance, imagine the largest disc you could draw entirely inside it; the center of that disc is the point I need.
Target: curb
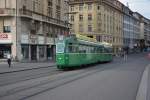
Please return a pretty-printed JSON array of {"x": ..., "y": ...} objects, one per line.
[
  {"x": 26, "y": 69},
  {"x": 143, "y": 87}
]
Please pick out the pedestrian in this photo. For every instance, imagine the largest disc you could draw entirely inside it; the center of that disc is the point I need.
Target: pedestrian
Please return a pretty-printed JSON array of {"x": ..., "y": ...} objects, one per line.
[
  {"x": 9, "y": 59},
  {"x": 125, "y": 55}
]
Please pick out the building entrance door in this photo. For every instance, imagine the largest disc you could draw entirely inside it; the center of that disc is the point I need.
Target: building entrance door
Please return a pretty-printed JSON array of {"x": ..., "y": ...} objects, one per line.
[{"x": 33, "y": 52}]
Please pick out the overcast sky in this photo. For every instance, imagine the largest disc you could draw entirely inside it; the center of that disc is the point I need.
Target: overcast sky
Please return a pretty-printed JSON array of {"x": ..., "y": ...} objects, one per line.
[{"x": 141, "y": 6}]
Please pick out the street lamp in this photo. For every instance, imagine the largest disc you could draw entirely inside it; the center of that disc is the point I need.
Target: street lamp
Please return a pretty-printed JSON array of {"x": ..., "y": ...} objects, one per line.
[{"x": 16, "y": 58}]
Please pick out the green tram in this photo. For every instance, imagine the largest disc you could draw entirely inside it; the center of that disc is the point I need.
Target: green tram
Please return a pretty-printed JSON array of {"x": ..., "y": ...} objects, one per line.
[{"x": 72, "y": 52}]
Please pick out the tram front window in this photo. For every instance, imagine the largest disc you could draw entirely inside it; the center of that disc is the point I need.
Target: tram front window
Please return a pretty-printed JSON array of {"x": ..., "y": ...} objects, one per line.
[{"x": 60, "y": 47}]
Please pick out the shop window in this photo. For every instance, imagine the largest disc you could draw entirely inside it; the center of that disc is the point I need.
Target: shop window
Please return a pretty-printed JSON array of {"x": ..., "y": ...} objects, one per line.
[
  {"x": 7, "y": 29},
  {"x": 4, "y": 50},
  {"x": 25, "y": 52},
  {"x": 41, "y": 51}
]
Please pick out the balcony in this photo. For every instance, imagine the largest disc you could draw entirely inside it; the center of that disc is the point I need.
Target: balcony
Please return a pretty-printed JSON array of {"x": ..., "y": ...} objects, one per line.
[
  {"x": 7, "y": 12},
  {"x": 39, "y": 17},
  {"x": 81, "y": 1}
]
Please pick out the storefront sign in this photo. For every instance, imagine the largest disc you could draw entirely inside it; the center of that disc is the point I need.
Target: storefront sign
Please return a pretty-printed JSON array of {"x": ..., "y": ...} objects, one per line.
[
  {"x": 24, "y": 39},
  {"x": 33, "y": 39},
  {"x": 5, "y": 38},
  {"x": 41, "y": 39},
  {"x": 50, "y": 41}
]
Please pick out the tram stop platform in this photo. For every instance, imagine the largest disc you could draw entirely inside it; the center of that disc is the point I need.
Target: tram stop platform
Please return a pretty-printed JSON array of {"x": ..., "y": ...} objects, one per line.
[{"x": 19, "y": 66}]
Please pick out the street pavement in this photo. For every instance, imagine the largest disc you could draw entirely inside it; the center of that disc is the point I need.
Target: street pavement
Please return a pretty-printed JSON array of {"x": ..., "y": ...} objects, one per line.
[
  {"x": 118, "y": 80},
  {"x": 17, "y": 66},
  {"x": 118, "y": 83}
]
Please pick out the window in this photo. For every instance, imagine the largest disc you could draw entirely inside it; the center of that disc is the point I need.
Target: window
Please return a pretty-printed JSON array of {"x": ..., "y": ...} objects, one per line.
[
  {"x": 89, "y": 7},
  {"x": 72, "y": 8},
  {"x": 59, "y": 2},
  {"x": 89, "y": 17},
  {"x": 81, "y": 7},
  {"x": 99, "y": 16},
  {"x": 25, "y": 51},
  {"x": 99, "y": 27},
  {"x": 71, "y": 48},
  {"x": 80, "y": 17},
  {"x": 72, "y": 18},
  {"x": 49, "y": 11},
  {"x": 60, "y": 47},
  {"x": 41, "y": 51},
  {"x": 98, "y": 7},
  {"x": 7, "y": 29},
  {"x": 80, "y": 28},
  {"x": 89, "y": 28},
  {"x": 58, "y": 15},
  {"x": 50, "y": 3}
]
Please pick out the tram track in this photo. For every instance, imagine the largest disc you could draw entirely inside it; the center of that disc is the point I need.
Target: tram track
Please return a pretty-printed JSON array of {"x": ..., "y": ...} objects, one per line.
[
  {"x": 56, "y": 80},
  {"x": 28, "y": 77},
  {"x": 81, "y": 76},
  {"x": 61, "y": 84},
  {"x": 51, "y": 84}
]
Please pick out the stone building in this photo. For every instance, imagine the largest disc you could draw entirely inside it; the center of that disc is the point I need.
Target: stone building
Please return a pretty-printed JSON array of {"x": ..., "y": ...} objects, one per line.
[
  {"x": 100, "y": 19},
  {"x": 29, "y": 28}
]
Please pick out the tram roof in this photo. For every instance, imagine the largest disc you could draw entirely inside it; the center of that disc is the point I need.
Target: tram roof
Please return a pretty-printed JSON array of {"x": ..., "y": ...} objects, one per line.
[
  {"x": 74, "y": 39},
  {"x": 81, "y": 41}
]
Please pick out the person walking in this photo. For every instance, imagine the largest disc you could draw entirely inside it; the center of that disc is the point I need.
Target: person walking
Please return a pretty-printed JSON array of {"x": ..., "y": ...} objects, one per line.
[
  {"x": 9, "y": 59},
  {"x": 125, "y": 55}
]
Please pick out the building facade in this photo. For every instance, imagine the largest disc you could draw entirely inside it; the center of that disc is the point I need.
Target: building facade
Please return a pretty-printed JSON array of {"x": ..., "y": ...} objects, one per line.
[
  {"x": 100, "y": 19},
  {"x": 29, "y": 28},
  {"x": 113, "y": 21},
  {"x": 131, "y": 28},
  {"x": 135, "y": 41},
  {"x": 146, "y": 31}
]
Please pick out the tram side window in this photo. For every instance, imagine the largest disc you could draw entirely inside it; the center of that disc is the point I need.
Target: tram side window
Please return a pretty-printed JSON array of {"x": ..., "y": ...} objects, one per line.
[
  {"x": 106, "y": 50},
  {"x": 96, "y": 49},
  {"x": 100, "y": 50},
  {"x": 72, "y": 48},
  {"x": 103, "y": 50},
  {"x": 109, "y": 50},
  {"x": 88, "y": 49},
  {"x": 82, "y": 49}
]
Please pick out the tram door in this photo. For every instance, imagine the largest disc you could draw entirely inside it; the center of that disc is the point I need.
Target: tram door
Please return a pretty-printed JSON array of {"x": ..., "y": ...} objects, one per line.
[{"x": 33, "y": 52}]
